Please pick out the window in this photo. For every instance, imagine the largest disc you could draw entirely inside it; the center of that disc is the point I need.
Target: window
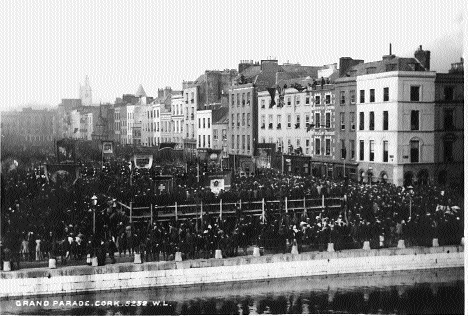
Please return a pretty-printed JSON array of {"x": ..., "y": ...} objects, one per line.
[
  {"x": 371, "y": 150},
  {"x": 298, "y": 99},
  {"x": 361, "y": 121},
  {"x": 317, "y": 119},
  {"x": 385, "y": 121},
  {"x": 352, "y": 96},
  {"x": 238, "y": 120},
  {"x": 307, "y": 101},
  {"x": 232, "y": 141},
  {"x": 317, "y": 99},
  {"x": 209, "y": 122},
  {"x": 243, "y": 99},
  {"x": 342, "y": 120},
  {"x": 248, "y": 119},
  {"x": 327, "y": 99},
  {"x": 203, "y": 122},
  {"x": 289, "y": 121},
  {"x": 362, "y": 96},
  {"x": 248, "y": 142},
  {"x": 414, "y": 93},
  {"x": 414, "y": 150},
  {"x": 351, "y": 147},
  {"x": 238, "y": 141},
  {"x": 352, "y": 119},
  {"x": 209, "y": 141},
  {"x": 224, "y": 134},
  {"x": 448, "y": 93},
  {"x": 317, "y": 146},
  {"x": 448, "y": 119},
  {"x": 307, "y": 120},
  {"x": 448, "y": 151},
  {"x": 263, "y": 121},
  {"x": 238, "y": 99},
  {"x": 243, "y": 119},
  {"x": 342, "y": 98},
  {"x": 263, "y": 103},
  {"x": 415, "y": 120},
  {"x": 361, "y": 150},
  {"x": 232, "y": 120},
  {"x": 328, "y": 147},
  {"x": 289, "y": 101},
  {"x": 270, "y": 121},
  {"x": 386, "y": 95},
  {"x": 248, "y": 98},
  {"x": 343, "y": 149},
  {"x": 199, "y": 140},
  {"x": 298, "y": 121},
  {"x": 372, "y": 95},
  {"x": 385, "y": 151},
  {"x": 243, "y": 142},
  {"x": 278, "y": 122},
  {"x": 307, "y": 144},
  {"x": 232, "y": 99},
  {"x": 327, "y": 120},
  {"x": 371, "y": 120}
]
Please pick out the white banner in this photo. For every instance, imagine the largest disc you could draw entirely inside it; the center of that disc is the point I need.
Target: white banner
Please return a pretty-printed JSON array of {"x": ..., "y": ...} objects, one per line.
[
  {"x": 107, "y": 148},
  {"x": 143, "y": 161},
  {"x": 216, "y": 185}
]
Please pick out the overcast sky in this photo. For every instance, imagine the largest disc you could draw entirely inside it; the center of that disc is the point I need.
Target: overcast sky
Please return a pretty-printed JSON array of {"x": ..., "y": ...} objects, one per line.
[{"x": 50, "y": 46}]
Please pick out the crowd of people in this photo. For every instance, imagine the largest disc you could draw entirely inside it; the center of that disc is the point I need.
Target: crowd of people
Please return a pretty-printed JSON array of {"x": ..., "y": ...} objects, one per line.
[{"x": 45, "y": 219}]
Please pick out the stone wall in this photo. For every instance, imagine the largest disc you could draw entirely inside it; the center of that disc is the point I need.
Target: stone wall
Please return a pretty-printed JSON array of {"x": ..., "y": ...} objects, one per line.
[{"x": 36, "y": 282}]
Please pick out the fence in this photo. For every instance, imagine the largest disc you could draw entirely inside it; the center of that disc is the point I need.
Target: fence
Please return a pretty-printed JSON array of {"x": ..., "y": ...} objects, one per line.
[{"x": 222, "y": 209}]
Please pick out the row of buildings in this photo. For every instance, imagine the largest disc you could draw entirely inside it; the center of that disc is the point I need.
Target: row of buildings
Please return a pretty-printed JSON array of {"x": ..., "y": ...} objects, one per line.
[{"x": 392, "y": 120}]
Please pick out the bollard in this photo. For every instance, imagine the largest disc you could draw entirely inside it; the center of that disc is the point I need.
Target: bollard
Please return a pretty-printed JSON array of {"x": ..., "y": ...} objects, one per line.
[
  {"x": 88, "y": 259},
  {"x": 6, "y": 266},
  {"x": 331, "y": 247},
  {"x": 381, "y": 241},
  {"x": 401, "y": 244},
  {"x": 94, "y": 262},
  {"x": 462, "y": 242},
  {"x": 366, "y": 245},
  {"x": 137, "y": 258},
  {"x": 256, "y": 252},
  {"x": 435, "y": 242},
  {"x": 218, "y": 254},
  {"x": 294, "y": 250},
  {"x": 52, "y": 263},
  {"x": 178, "y": 256}
]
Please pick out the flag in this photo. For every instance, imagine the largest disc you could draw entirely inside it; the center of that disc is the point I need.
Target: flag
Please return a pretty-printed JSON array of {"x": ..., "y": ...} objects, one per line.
[
  {"x": 272, "y": 92},
  {"x": 309, "y": 126}
]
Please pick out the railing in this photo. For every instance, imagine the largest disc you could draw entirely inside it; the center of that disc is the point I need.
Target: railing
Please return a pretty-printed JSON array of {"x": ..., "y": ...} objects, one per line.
[{"x": 255, "y": 208}]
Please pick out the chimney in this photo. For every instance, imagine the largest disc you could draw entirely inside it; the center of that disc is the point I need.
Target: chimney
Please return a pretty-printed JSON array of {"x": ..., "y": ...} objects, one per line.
[
  {"x": 346, "y": 63},
  {"x": 424, "y": 57},
  {"x": 270, "y": 65},
  {"x": 244, "y": 64}
]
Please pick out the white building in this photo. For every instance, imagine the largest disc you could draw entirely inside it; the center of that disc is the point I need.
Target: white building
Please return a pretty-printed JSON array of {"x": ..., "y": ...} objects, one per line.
[
  {"x": 177, "y": 119},
  {"x": 190, "y": 102},
  {"x": 204, "y": 129},
  {"x": 395, "y": 125},
  {"x": 151, "y": 133}
]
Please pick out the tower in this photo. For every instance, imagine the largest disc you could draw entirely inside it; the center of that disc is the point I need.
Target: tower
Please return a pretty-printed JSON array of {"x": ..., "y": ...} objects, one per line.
[{"x": 86, "y": 93}]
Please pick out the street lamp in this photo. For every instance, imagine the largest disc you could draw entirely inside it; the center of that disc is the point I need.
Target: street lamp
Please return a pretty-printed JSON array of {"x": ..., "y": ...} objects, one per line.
[
  {"x": 410, "y": 197},
  {"x": 94, "y": 202}
]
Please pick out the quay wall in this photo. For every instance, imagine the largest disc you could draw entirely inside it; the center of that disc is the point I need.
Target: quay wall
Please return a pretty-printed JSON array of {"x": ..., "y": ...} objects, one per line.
[{"x": 69, "y": 280}]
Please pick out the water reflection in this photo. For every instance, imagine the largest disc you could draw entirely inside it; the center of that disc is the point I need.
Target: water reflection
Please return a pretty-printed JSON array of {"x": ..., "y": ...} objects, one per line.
[{"x": 432, "y": 293}]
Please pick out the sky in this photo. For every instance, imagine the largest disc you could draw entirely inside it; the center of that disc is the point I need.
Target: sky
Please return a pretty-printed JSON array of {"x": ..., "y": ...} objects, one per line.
[{"x": 48, "y": 47}]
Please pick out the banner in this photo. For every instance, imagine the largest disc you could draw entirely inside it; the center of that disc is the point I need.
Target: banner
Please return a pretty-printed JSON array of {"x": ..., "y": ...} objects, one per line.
[
  {"x": 107, "y": 147},
  {"x": 143, "y": 161},
  {"x": 163, "y": 184},
  {"x": 216, "y": 185},
  {"x": 63, "y": 174},
  {"x": 66, "y": 151}
]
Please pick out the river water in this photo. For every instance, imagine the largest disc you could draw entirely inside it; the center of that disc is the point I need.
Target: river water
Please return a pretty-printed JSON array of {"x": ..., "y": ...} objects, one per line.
[{"x": 408, "y": 292}]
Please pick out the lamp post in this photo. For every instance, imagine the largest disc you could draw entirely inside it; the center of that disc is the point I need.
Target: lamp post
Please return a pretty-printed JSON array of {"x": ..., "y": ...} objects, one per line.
[
  {"x": 94, "y": 202},
  {"x": 410, "y": 197}
]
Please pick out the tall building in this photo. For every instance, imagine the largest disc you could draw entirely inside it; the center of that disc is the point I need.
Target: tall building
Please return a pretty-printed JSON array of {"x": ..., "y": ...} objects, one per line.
[
  {"x": 85, "y": 93},
  {"x": 449, "y": 121},
  {"x": 395, "y": 118}
]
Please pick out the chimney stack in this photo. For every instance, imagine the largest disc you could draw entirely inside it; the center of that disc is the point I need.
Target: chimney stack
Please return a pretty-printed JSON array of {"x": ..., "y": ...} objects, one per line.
[{"x": 424, "y": 57}]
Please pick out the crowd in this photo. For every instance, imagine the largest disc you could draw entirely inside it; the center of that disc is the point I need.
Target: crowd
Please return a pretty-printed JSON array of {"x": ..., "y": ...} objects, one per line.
[{"x": 44, "y": 219}]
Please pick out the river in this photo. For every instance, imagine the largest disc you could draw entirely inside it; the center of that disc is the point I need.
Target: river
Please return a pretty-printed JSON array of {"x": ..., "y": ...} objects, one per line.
[{"x": 403, "y": 292}]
